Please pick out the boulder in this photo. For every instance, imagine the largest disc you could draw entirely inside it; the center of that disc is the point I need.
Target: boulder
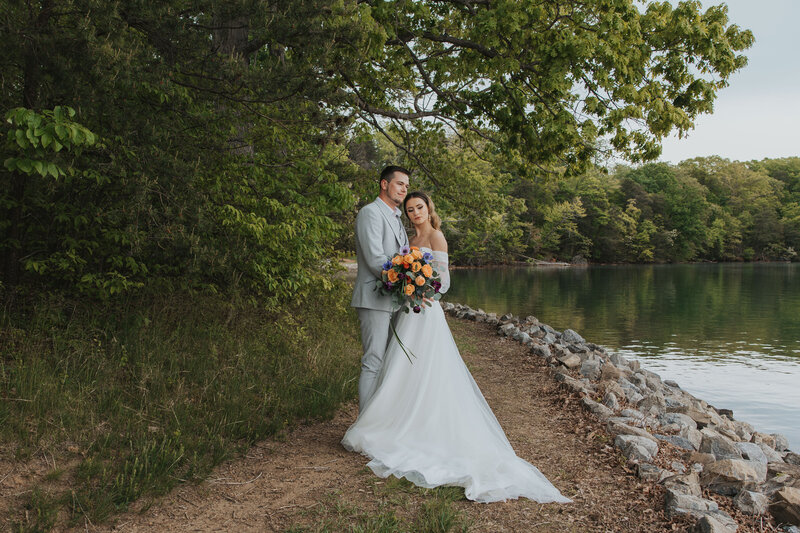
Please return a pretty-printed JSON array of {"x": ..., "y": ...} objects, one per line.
[
  {"x": 672, "y": 383},
  {"x": 786, "y": 506},
  {"x": 599, "y": 410},
  {"x": 618, "y": 360},
  {"x": 549, "y": 338},
  {"x": 760, "y": 438},
  {"x": 769, "y": 451},
  {"x": 653, "y": 404},
  {"x": 692, "y": 435},
  {"x": 701, "y": 418},
  {"x": 632, "y": 413},
  {"x": 781, "y": 442},
  {"x": 684, "y": 484},
  {"x": 743, "y": 430},
  {"x": 751, "y": 452},
  {"x": 720, "y": 446},
  {"x": 729, "y": 476},
  {"x": 792, "y": 458},
  {"x": 677, "y": 440},
  {"x": 571, "y": 337},
  {"x": 775, "y": 469},
  {"x": 613, "y": 387},
  {"x": 679, "y": 419},
  {"x": 636, "y": 448},
  {"x": 610, "y": 401},
  {"x": 678, "y": 503},
  {"x": 569, "y": 360},
  {"x": 650, "y": 472},
  {"x": 700, "y": 458},
  {"x": 609, "y": 372},
  {"x": 717, "y": 522},
  {"x": 750, "y": 502},
  {"x": 541, "y": 350},
  {"x": 617, "y": 428},
  {"x": 591, "y": 369},
  {"x": 507, "y": 329},
  {"x": 569, "y": 383}
]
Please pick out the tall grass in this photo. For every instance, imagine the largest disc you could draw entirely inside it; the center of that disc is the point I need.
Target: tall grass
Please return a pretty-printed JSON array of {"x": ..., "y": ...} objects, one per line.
[{"x": 139, "y": 396}]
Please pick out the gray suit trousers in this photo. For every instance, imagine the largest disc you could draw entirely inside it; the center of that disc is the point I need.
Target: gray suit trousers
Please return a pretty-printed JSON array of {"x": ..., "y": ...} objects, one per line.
[{"x": 375, "y": 331}]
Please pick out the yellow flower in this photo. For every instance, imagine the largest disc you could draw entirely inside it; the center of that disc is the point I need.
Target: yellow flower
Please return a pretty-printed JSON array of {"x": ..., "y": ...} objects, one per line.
[
  {"x": 409, "y": 289},
  {"x": 416, "y": 253},
  {"x": 392, "y": 275},
  {"x": 415, "y": 266},
  {"x": 427, "y": 271},
  {"x": 420, "y": 280}
]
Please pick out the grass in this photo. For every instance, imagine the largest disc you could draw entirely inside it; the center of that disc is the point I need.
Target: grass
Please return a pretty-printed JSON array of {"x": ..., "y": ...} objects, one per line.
[
  {"x": 402, "y": 507},
  {"x": 130, "y": 399}
]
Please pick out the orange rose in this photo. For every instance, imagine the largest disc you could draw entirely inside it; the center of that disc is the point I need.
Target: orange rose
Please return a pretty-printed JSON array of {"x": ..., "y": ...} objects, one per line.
[
  {"x": 420, "y": 280},
  {"x": 417, "y": 254},
  {"x": 415, "y": 266},
  {"x": 427, "y": 271},
  {"x": 408, "y": 259},
  {"x": 396, "y": 260},
  {"x": 414, "y": 248},
  {"x": 409, "y": 290},
  {"x": 392, "y": 274}
]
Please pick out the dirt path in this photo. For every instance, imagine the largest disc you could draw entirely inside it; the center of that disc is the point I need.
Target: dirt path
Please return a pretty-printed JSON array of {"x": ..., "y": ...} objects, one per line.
[{"x": 307, "y": 478}]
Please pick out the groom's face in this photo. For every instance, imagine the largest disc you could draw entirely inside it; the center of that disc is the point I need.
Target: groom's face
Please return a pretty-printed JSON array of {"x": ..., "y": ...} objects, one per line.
[{"x": 396, "y": 188}]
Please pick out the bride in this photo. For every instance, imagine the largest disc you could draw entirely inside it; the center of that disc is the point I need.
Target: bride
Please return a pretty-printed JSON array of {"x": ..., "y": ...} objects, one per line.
[{"x": 428, "y": 421}]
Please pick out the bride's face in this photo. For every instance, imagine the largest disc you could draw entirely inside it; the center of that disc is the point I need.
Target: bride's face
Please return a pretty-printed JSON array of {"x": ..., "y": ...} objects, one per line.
[{"x": 417, "y": 211}]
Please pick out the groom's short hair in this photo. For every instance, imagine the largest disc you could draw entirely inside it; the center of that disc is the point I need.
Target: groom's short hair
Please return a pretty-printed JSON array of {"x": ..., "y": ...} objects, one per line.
[{"x": 388, "y": 172}]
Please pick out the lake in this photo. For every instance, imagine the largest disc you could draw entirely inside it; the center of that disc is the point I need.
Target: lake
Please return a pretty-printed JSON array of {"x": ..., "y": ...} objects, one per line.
[{"x": 728, "y": 333}]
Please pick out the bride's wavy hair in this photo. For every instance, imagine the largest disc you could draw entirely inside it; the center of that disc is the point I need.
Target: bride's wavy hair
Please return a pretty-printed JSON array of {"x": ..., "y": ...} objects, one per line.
[{"x": 436, "y": 222}]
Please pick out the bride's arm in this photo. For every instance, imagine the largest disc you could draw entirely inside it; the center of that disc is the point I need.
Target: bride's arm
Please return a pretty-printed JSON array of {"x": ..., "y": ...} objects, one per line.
[{"x": 440, "y": 260}]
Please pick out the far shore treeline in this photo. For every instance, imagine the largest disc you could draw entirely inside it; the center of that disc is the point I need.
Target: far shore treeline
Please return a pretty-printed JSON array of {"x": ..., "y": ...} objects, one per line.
[{"x": 179, "y": 181}]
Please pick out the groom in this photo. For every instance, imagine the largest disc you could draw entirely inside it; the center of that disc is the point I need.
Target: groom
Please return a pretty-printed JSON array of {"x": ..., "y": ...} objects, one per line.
[{"x": 379, "y": 235}]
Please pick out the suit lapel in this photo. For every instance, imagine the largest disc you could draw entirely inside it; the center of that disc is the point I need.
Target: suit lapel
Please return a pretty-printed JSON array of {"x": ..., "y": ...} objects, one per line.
[{"x": 391, "y": 220}]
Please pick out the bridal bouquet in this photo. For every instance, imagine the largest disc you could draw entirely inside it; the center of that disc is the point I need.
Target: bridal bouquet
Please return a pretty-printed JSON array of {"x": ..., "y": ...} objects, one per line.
[{"x": 410, "y": 279}]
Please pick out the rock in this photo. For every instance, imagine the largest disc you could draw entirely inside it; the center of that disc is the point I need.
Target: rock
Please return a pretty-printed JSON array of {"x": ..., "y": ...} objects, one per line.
[
  {"x": 781, "y": 442},
  {"x": 634, "y": 365},
  {"x": 610, "y": 401},
  {"x": 677, "y": 503},
  {"x": 571, "y": 337},
  {"x": 676, "y": 440},
  {"x": 751, "y": 451},
  {"x": 678, "y": 467},
  {"x": 769, "y": 451},
  {"x": 636, "y": 448},
  {"x": 653, "y": 404},
  {"x": 701, "y": 418},
  {"x": 650, "y": 472},
  {"x": 719, "y": 522},
  {"x": 692, "y": 435},
  {"x": 679, "y": 419},
  {"x": 541, "y": 350},
  {"x": 599, "y": 410},
  {"x": 613, "y": 387},
  {"x": 639, "y": 380},
  {"x": 506, "y": 329},
  {"x": 549, "y": 338},
  {"x": 633, "y": 396},
  {"x": 786, "y": 506},
  {"x": 591, "y": 369},
  {"x": 684, "y": 484},
  {"x": 524, "y": 338},
  {"x": 792, "y": 471},
  {"x": 792, "y": 458},
  {"x": 672, "y": 383},
  {"x": 700, "y": 458},
  {"x": 729, "y": 476},
  {"x": 570, "y": 361},
  {"x": 609, "y": 372},
  {"x": 632, "y": 413},
  {"x": 618, "y": 360},
  {"x": 617, "y": 428},
  {"x": 759, "y": 438},
  {"x": 530, "y": 319},
  {"x": 743, "y": 430},
  {"x": 507, "y": 316},
  {"x": 572, "y": 384},
  {"x": 751, "y": 502},
  {"x": 722, "y": 447}
]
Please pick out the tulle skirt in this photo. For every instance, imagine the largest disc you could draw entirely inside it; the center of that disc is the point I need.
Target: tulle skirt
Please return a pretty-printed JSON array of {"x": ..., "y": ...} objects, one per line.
[{"x": 429, "y": 423}]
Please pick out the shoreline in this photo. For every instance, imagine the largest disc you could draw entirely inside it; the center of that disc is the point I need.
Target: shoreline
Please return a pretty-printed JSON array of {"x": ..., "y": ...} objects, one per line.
[{"x": 645, "y": 414}]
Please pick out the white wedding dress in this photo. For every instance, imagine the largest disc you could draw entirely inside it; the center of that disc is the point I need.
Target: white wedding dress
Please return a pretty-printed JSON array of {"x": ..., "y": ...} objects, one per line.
[{"x": 428, "y": 421}]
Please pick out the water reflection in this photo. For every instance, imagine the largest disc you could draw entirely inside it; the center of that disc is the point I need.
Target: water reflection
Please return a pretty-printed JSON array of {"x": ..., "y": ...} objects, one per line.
[{"x": 728, "y": 333}]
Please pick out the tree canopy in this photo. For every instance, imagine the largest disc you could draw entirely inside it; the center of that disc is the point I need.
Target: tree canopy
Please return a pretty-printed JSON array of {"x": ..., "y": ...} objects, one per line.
[{"x": 211, "y": 144}]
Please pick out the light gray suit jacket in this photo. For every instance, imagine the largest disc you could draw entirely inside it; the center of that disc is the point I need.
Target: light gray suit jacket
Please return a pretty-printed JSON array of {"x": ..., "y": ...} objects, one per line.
[{"x": 377, "y": 239}]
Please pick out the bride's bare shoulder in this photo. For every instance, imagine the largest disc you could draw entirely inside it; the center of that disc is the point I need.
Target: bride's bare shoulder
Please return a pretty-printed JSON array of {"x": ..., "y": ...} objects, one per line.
[{"x": 438, "y": 242}]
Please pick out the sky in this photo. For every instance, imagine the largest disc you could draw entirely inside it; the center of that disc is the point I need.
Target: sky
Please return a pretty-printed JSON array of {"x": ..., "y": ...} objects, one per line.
[{"x": 758, "y": 114}]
